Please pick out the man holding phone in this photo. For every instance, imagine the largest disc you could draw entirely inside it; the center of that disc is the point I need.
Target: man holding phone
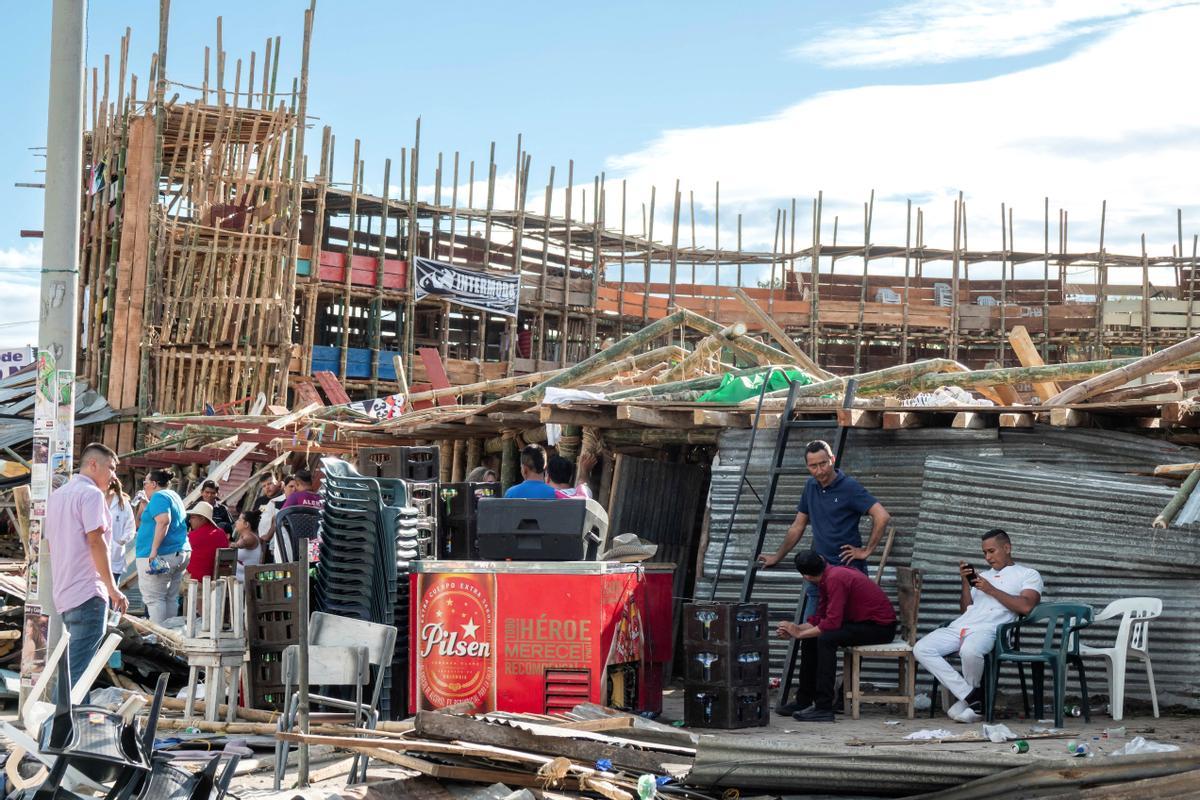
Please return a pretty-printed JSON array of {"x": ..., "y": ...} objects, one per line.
[{"x": 989, "y": 599}]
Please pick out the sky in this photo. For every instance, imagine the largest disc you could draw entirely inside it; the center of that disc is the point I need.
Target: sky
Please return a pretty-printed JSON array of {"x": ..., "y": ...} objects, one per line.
[{"x": 1007, "y": 101}]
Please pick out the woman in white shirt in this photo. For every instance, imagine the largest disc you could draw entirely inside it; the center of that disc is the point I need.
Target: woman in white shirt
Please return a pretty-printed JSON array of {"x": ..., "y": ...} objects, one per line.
[
  {"x": 249, "y": 547},
  {"x": 122, "y": 527}
]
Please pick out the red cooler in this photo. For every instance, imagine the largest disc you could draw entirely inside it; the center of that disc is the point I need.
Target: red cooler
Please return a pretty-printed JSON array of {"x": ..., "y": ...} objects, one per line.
[{"x": 539, "y": 636}]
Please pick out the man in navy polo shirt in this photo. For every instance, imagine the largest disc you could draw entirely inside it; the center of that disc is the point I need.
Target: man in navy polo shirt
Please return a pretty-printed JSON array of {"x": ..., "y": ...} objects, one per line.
[{"x": 834, "y": 503}]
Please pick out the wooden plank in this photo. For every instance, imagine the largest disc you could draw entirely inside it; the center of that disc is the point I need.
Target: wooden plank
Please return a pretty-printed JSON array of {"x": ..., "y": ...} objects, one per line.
[
  {"x": 1148, "y": 423},
  {"x": 573, "y": 416},
  {"x": 435, "y": 373},
  {"x": 704, "y": 418},
  {"x": 1016, "y": 420},
  {"x": 859, "y": 418},
  {"x": 586, "y": 750},
  {"x": 1176, "y": 470},
  {"x": 1069, "y": 418},
  {"x": 306, "y": 394},
  {"x": 1029, "y": 356},
  {"x": 654, "y": 418},
  {"x": 332, "y": 386},
  {"x": 896, "y": 420},
  {"x": 780, "y": 335}
]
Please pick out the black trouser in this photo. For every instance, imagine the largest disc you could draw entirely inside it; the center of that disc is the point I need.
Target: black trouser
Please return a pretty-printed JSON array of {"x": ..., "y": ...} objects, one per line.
[{"x": 818, "y": 658}]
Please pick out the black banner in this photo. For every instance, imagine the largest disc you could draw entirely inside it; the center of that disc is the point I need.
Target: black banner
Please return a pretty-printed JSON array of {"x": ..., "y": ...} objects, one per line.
[{"x": 499, "y": 294}]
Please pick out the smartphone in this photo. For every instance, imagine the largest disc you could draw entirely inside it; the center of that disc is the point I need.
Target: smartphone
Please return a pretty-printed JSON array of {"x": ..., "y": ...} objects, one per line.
[{"x": 972, "y": 575}]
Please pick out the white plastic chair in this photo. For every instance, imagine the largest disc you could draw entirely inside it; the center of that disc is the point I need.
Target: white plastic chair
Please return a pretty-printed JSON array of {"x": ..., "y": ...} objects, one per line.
[{"x": 1133, "y": 638}]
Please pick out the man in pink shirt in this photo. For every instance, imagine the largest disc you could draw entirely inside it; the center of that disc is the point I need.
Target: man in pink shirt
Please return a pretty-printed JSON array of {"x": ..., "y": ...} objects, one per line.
[{"x": 78, "y": 533}]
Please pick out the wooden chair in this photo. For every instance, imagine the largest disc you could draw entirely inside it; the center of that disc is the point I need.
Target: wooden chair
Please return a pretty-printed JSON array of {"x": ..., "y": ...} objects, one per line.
[{"x": 908, "y": 583}]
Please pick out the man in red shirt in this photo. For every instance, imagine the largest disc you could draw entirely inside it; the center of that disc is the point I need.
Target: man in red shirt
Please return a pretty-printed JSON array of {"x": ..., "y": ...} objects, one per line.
[
  {"x": 851, "y": 610},
  {"x": 205, "y": 538}
]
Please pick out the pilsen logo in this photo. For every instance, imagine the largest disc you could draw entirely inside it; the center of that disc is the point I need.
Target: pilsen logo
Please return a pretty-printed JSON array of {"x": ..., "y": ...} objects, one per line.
[
  {"x": 433, "y": 634},
  {"x": 454, "y": 640}
]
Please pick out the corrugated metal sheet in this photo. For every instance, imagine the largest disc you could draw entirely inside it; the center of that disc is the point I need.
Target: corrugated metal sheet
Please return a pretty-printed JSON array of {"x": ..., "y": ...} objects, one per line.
[
  {"x": 90, "y": 408},
  {"x": 891, "y": 464},
  {"x": 1088, "y": 534},
  {"x": 796, "y": 765}
]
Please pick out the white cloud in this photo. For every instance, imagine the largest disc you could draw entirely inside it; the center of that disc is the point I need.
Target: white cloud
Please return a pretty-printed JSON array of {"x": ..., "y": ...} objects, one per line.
[
  {"x": 940, "y": 31},
  {"x": 20, "y": 279},
  {"x": 1111, "y": 122}
]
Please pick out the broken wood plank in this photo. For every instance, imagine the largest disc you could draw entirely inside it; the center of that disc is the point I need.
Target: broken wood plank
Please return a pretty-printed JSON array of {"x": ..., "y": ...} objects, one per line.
[
  {"x": 588, "y": 749},
  {"x": 332, "y": 386},
  {"x": 435, "y": 373},
  {"x": 1170, "y": 357},
  {"x": 859, "y": 418},
  {"x": 896, "y": 420},
  {"x": 1021, "y": 419},
  {"x": 1029, "y": 356}
]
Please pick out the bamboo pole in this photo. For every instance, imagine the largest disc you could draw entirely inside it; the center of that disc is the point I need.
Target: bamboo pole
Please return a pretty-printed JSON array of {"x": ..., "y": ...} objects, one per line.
[
  {"x": 901, "y": 373},
  {"x": 868, "y": 214},
  {"x": 1145, "y": 300},
  {"x": 626, "y": 345},
  {"x": 705, "y": 349},
  {"x": 1101, "y": 280},
  {"x": 815, "y": 291},
  {"x": 1171, "y": 510},
  {"x": 763, "y": 353},
  {"x": 701, "y": 384},
  {"x": 904, "y": 309},
  {"x": 1136, "y": 368},
  {"x": 780, "y": 335}
]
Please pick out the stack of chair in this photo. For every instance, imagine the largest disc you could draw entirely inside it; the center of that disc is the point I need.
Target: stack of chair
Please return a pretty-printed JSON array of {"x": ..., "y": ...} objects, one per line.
[{"x": 369, "y": 533}]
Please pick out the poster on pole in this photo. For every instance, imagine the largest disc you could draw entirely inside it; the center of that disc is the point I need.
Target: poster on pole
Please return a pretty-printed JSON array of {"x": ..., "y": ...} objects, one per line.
[{"x": 497, "y": 294}]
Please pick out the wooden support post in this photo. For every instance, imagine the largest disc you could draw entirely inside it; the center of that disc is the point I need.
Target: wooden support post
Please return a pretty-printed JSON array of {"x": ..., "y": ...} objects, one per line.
[
  {"x": 376, "y": 321},
  {"x": 904, "y": 310},
  {"x": 897, "y": 420},
  {"x": 868, "y": 209},
  {"x": 1145, "y": 300},
  {"x": 355, "y": 184},
  {"x": 1069, "y": 418},
  {"x": 1020, "y": 419},
  {"x": 972, "y": 420},
  {"x": 1101, "y": 291},
  {"x": 859, "y": 418}
]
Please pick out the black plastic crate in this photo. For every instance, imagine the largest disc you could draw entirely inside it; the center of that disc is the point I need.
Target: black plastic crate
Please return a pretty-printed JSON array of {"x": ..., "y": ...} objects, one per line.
[
  {"x": 727, "y": 665},
  {"x": 407, "y": 463},
  {"x": 460, "y": 501},
  {"x": 725, "y": 623},
  {"x": 457, "y": 540},
  {"x": 725, "y": 708}
]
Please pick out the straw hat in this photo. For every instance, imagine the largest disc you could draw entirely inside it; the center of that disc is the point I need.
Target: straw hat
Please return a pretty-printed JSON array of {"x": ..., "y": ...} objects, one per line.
[
  {"x": 629, "y": 547},
  {"x": 202, "y": 509}
]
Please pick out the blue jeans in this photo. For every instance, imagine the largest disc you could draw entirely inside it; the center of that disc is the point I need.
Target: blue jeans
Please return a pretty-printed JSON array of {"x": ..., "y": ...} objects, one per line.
[{"x": 85, "y": 623}]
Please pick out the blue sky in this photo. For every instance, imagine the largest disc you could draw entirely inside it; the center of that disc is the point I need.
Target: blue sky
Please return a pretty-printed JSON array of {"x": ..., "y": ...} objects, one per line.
[{"x": 775, "y": 99}]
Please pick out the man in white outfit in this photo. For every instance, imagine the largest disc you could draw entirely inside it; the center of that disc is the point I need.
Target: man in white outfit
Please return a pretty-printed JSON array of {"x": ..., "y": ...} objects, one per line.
[{"x": 989, "y": 599}]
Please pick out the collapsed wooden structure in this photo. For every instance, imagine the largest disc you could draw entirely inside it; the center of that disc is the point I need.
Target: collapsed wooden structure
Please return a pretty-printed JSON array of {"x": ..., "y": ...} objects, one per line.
[{"x": 221, "y": 262}]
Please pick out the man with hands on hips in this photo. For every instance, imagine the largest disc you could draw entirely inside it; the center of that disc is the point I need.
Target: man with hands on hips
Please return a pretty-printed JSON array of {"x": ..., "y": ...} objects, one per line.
[{"x": 834, "y": 503}]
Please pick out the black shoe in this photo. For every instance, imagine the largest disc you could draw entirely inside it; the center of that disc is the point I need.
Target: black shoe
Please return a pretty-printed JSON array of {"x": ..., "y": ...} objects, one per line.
[
  {"x": 976, "y": 696},
  {"x": 814, "y": 714},
  {"x": 788, "y": 709}
]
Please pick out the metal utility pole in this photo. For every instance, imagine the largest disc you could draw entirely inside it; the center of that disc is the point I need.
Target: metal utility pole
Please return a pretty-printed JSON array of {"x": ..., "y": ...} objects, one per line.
[{"x": 54, "y": 412}]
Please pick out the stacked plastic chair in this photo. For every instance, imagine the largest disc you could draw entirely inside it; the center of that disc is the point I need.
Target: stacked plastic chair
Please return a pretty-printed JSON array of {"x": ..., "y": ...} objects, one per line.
[{"x": 369, "y": 533}]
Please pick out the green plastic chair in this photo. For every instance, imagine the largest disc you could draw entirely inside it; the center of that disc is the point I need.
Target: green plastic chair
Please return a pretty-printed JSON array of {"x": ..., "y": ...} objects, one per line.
[{"x": 1059, "y": 648}]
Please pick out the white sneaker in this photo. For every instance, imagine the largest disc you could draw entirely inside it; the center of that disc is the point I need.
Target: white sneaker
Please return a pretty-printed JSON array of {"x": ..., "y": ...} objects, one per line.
[{"x": 962, "y": 712}]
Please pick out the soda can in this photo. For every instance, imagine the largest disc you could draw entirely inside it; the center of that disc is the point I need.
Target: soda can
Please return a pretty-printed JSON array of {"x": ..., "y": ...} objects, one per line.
[
  {"x": 1081, "y": 749},
  {"x": 1020, "y": 746},
  {"x": 1074, "y": 710}
]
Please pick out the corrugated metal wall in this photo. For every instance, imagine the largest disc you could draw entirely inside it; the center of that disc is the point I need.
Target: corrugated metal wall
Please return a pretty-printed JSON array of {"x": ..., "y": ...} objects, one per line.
[
  {"x": 891, "y": 464},
  {"x": 1089, "y": 536}
]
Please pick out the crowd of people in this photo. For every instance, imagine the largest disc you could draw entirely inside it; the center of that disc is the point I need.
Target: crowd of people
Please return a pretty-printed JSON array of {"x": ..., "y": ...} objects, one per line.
[{"x": 93, "y": 527}]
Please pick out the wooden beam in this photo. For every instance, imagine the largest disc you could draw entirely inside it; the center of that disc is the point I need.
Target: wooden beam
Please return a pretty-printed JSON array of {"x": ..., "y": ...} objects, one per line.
[
  {"x": 895, "y": 420},
  {"x": 704, "y": 418},
  {"x": 654, "y": 418},
  {"x": 972, "y": 420},
  {"x": 574, "y": 416},
  {"x": 1176, "y": 470},
  {"x": 1185, "y": 414},
  {"x": 1163, "y": 359},
  {"x": 1022, "y": 419},
  {"x": 1148, "y": 423},
  {"x": 1029, "y": 356},
  {"x": 1069, "y": 418},
  {"x": 512, "y": 417},
  {"x": 859, "y": 418}
]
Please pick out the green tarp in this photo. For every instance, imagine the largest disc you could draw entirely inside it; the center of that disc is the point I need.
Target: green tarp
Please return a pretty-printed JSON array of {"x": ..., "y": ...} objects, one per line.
[{"x": 735, "y": 389}]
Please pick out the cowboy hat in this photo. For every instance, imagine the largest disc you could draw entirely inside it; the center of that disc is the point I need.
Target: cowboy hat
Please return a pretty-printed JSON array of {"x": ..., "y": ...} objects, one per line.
[
  {"x": 202, "y": 509},
  {"x": 629, "y": 547}
]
